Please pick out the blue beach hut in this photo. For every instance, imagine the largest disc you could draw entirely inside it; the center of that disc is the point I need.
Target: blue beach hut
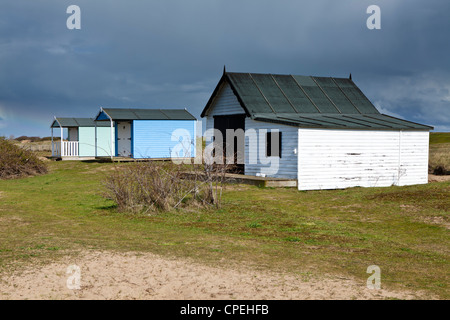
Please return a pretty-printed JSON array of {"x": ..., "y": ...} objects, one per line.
[{"x": 150, "y": 133}]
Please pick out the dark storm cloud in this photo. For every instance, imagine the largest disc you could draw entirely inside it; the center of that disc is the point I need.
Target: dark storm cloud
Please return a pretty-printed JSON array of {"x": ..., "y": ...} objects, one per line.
[{"x": 171, "y": 53}]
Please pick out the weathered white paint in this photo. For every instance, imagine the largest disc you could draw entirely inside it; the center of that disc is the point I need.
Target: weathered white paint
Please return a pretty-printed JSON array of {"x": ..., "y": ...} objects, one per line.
[
  {"x": 333, "y": 159},
  {"x": 414, "y": 153}
]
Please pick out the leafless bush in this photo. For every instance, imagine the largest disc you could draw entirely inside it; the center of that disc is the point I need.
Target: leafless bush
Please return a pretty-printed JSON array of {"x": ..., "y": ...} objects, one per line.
[{"x": 143, "y": 187}]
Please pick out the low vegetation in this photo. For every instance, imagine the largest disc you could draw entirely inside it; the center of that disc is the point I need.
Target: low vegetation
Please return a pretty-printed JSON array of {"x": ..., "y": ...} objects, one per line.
[
  {"x": 439, "y": 162},
  {"x": 16, "y": 162},
  {"x": 144, "y": 187},
  {"x": 156, "y": 186},
  {"x": 34, "y": 139},
  {"x": 403, "y": 230}
]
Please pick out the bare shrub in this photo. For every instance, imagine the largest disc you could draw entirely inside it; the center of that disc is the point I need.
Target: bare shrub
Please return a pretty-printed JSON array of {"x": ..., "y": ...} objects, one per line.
[
  {"x": 143, "y": 187},
  {"x": 16, "y": 162},
  {"x": 440, "y": 171}
]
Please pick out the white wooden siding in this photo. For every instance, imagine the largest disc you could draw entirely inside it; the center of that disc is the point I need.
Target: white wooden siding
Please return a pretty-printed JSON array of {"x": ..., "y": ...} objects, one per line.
[
  {"x": 287, "y": 165},
  {"x": 332, "y": 159},
  {"x": 414, "y": 157},
  {"x": 225, "y": 103}
]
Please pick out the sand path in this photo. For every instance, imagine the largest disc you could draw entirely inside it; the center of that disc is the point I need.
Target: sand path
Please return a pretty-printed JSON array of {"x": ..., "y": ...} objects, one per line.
[{"x": 108, "y": 275}]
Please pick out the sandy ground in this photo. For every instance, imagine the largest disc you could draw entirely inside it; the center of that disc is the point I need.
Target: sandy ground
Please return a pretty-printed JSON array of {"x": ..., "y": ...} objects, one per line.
[
  {"x": 435, "y": 178},
  {"x": 107, "y": 275}
]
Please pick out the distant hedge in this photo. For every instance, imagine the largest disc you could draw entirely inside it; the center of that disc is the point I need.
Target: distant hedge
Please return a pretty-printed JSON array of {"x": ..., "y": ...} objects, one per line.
[
  {"x": 16, "y": 162},
  {"x": 35, "y": 139}
]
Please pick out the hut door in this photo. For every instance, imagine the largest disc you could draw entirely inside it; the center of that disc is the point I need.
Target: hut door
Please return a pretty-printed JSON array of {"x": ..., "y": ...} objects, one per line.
[
  {"x": 233, "y": 122},
  {"x": 124, "y": 138}
]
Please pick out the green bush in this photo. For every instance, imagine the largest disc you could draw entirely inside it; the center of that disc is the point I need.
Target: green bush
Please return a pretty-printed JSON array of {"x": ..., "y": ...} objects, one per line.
[{"x": 16, "y": 162}]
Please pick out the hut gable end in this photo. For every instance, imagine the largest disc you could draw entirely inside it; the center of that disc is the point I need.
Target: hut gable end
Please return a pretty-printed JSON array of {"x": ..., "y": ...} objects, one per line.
[{"x": 225, "y": 102}]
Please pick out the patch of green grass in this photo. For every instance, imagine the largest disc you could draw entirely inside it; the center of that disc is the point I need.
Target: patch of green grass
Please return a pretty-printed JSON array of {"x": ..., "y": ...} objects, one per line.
[
  {"x": 403, "y": 230},
  {"x": 254, "y": 225},
  {"x": 439, "y": 137}
]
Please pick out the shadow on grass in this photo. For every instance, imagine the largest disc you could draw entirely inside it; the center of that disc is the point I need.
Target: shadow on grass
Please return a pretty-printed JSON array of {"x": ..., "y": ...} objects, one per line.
[{"x": 110, "y": 207}]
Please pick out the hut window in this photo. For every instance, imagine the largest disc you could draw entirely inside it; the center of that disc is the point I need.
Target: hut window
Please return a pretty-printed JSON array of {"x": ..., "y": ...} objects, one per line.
[{"x": 271, "y": 148}]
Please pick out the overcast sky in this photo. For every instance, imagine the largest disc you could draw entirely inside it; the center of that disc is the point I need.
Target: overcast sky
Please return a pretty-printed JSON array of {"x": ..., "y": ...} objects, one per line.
[{"x": 171, "y": 53}]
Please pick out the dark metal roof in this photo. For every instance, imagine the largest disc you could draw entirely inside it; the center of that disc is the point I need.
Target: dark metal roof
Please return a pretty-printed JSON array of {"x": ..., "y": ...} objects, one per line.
[
  {"x": 76, "y": 122},
  {"x": 342, "y": 121},
  {"x": 144, "y": 114},
  {"x": 306, "y": 101}
]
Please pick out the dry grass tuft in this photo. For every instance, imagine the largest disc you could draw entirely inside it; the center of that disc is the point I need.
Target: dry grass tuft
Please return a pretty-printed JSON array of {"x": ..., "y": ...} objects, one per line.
[{"x": 16, "y": 162}]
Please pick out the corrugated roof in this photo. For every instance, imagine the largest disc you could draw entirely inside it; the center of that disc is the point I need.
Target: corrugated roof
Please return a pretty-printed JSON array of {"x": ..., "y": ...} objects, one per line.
[
  {"x": 76, "y": 122},
  {"x": 146, "y": 114},
  {"x": 307, "y": 101}
]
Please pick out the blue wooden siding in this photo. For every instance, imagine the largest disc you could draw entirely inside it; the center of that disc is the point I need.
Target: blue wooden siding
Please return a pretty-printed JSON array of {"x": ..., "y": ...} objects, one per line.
[
  {"x": 86, "y": 142},
  {"x": 153, "y": 138},
  {"x": 86, "y": 138},
  {"x": 104, "y": 142}
]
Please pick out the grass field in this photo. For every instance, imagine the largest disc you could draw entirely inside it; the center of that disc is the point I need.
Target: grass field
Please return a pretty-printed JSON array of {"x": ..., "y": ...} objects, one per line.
[{"x": 403, "y": 230}]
